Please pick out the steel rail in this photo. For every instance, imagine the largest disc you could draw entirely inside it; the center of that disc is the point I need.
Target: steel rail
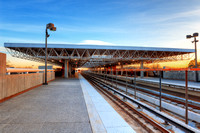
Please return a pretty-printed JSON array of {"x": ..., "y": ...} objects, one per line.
[
  {"x": 182, "y": 116},
  {"x": 162, "y": 115},
  {"x": 107, "y": 93},
  {"x": 161, "y": 69},
  {"x": 141, "y": 87}
]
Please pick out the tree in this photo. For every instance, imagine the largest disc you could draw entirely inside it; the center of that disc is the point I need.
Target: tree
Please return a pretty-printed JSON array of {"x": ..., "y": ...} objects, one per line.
[{"x": 192, "y": 64}]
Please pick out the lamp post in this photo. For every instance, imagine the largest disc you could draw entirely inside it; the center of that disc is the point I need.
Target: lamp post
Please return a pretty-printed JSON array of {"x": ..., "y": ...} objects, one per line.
[
  {"x": 51, "y": 27},
  {"x": 195, "y": 43}
]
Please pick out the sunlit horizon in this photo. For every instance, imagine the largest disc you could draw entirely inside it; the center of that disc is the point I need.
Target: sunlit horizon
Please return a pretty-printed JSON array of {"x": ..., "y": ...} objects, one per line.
[{"x": 147, "y": 23}]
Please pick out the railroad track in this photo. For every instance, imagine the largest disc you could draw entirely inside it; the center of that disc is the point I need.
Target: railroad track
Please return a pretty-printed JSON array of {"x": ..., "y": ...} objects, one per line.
[
  {"x": 153, "y": 90},
  {"x": 166, "y": 88},
  {"x": 127, "y": 108},
  {"x": 195, "y": 115},
  {"x": 110, "y": 85}
]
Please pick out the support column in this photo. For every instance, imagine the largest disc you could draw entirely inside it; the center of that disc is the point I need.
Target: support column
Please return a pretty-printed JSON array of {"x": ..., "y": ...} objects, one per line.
[
  {"x": 66, "y": 69},
  {"x": 114, "y": 69},
  {"x": 121, "y": 68},
  {"x": 141, "y": 72},
  {"x": 2, "y": 64},
  {"x": 70, "y": 70}
]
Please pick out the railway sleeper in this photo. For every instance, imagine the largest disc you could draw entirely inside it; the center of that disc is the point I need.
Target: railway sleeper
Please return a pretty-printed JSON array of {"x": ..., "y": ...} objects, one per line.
[{"x": 112, "y": 89}]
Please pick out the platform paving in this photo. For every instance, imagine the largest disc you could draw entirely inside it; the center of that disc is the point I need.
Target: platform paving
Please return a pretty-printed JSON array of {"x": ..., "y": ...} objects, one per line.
[
  {"x": 104, "y": 119},
  {"x": 56, "y": 108}
]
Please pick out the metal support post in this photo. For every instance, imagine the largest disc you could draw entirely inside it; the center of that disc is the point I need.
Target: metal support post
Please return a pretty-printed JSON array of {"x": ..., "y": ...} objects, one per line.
[
  {"x": 142, "y": 67},
  {"x": 160, "y": 94},
  {"x": 186, "y": 97},
  {"x": 112, "y": 76},
  {"x": 126, "y": 83},
  {"x": 135, "y": 83},
  {"x": 116, "y": 77},
  {"x": 195, "y": 45},
  {"x": 121, "y": 69},
  {"x": 104, "y": 74},
  {"x": 66, "y": 71},
  {"x": 196, "y": 65},
  {"x": 46, "y": 56}
]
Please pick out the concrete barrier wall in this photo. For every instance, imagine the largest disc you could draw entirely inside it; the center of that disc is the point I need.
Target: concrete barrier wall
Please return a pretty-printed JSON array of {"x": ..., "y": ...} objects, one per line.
[
  {"x": 180, "y": 75},
  {"x": 13, "y": 84}
]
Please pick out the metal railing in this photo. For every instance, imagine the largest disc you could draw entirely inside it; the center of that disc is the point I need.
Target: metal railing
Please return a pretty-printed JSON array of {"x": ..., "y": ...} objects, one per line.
[{"x": 158, "y": 113}]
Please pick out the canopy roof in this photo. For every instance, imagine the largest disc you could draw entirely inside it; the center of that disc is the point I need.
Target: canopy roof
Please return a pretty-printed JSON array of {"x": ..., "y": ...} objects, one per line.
[{"x": 94, "y": 55}]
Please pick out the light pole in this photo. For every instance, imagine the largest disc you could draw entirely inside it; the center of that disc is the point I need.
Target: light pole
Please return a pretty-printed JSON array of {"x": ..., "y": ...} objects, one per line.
[
  {"x": 51, "y": 27},
  {"x": 195, "y": 43}
]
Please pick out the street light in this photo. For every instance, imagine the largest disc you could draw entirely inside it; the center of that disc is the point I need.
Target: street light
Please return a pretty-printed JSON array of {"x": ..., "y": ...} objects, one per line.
[
  {"x": 195, "y": 43},
  {"x": 51, "y": 27}
]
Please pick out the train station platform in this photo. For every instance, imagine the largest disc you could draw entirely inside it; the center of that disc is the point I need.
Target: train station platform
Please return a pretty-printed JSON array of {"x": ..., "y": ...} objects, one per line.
[
  {"x": 63, "y": 106},
  {"x": 102, "y": 116},
  {"x": 56, "y": 108}
]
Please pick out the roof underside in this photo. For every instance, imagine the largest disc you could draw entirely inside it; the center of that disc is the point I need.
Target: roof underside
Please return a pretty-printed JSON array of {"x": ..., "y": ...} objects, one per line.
[{"x": 94, "y": 55}]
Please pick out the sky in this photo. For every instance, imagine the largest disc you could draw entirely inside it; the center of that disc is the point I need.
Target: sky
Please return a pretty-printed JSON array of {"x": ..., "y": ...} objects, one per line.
[{"x": 148, "y": 23}]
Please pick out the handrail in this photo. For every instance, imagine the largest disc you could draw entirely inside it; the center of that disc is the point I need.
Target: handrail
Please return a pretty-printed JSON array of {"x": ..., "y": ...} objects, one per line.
[
  {"x": 162, "y": 115},
  {"x": 8, "y": 70},
  {"x": 159, "y": 69}
]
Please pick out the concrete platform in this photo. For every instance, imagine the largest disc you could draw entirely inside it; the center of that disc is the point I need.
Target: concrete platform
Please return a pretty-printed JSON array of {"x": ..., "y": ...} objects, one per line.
[
  {"x": 57, "y": 108},
  {"x": 102, "y": 116}
]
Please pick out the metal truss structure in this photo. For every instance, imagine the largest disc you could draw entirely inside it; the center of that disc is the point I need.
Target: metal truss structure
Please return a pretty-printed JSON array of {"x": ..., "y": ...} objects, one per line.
[
  {"x": 91, "y": 57},
  {"x": 27, "y": 56}
]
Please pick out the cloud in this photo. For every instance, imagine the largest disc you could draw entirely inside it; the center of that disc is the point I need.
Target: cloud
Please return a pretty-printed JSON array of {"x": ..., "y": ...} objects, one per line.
[
  {"x": 58, "y": 42},
  {"x": 3, "y": 50},
  {"x": 184, "y": 43},
  {"x": 95, "y": 42},
  {"x": 22, "y": 40},
  {"x": 22, "y": 27},
  {"x": 91, "y": 29},
  {"x": 165, "y": 28},
  {"x": 162, "y": 15},
  {"x": 28, "y": 28},
  {"x": 187, "y": 14}
]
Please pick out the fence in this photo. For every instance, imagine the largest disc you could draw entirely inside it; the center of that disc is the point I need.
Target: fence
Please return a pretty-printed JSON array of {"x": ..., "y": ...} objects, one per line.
[
  {"x": 11, "y": 85},
  {"x": 180, "y": 75},
  {"x": 184, "y": 73}
]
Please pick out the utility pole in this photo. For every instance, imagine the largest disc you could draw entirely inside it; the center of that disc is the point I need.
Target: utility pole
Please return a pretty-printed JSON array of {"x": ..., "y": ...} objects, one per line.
[{"x": 195, "y": 43}]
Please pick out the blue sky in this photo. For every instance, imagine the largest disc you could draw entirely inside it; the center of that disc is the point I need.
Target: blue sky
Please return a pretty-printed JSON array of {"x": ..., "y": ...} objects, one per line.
[{"x": 154, "y": 23}]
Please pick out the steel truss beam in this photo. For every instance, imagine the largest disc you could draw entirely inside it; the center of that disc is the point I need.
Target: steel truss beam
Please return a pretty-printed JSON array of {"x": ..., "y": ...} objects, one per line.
[{"x": 95, "y": 57}]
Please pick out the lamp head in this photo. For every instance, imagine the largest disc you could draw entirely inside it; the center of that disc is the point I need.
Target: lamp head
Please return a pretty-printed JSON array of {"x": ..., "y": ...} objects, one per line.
[
  {"x": 195, "y": 34},
  {"x": 188, "y": 36},
  {"x": 53, "y": 29},
  {"x": 50, "y": 25}
]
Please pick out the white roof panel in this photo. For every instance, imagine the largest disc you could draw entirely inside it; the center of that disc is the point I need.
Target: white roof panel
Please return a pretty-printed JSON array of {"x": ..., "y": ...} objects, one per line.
[{"x": 78, "y": 46}]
